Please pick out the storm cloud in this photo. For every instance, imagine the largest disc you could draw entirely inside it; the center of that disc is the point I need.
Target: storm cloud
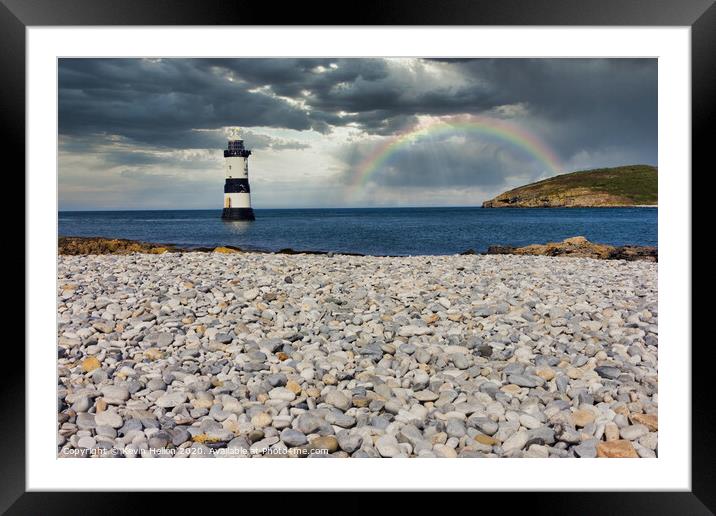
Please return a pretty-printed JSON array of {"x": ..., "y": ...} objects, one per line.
[{"x": 137, "y": 123}]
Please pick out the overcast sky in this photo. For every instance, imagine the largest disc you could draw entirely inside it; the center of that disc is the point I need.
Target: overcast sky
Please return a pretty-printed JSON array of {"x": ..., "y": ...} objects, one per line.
[{"x": 149, "y": 133}]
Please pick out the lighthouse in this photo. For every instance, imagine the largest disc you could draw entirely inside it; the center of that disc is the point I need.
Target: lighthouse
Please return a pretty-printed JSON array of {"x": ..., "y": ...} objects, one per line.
[{"x": 237, "y": 194}]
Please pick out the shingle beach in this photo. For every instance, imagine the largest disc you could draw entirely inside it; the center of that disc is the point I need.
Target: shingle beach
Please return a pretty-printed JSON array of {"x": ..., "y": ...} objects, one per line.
[{"x": 233, "y": 354}]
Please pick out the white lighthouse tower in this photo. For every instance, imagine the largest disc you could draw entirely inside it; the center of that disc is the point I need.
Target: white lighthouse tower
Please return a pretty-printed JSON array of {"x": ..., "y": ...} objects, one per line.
[{"x": 237, "y": 193}]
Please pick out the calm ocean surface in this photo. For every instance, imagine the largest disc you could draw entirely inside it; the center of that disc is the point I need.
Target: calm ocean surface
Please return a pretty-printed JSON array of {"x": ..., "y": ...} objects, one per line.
[{"x": 380, "y": 231}]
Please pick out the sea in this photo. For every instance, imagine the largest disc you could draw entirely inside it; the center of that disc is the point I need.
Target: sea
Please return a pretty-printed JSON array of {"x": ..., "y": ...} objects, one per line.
[{"x": 371, "y": 231}]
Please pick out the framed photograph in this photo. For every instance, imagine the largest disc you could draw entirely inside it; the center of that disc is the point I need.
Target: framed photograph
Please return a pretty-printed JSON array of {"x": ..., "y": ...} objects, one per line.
[{"x": 443, "y": 234}]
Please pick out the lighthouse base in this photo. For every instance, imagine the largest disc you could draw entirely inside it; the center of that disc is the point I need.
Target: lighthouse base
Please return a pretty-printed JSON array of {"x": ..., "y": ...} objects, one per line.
[{"x": 238, "y": 214}]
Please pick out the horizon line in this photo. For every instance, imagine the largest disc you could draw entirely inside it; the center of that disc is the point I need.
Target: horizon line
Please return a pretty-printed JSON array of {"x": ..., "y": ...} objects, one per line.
[{"x": 275, "y": 208}]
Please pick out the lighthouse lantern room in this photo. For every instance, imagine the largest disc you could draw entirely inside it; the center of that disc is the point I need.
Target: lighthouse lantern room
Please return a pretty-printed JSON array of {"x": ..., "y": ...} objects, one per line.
[{"x": 237, "y": 193}]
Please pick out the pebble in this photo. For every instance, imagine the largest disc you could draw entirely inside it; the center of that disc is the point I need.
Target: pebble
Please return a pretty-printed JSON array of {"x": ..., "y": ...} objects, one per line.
[
  {"x": 326, "y": 442},
  {"x": 485, "y": 425},
  {"x": 541, "y": 435},
  {"x": 619, "y": 449},
  {"x": 426, "y": 396},
  {"x": 387, "y": 446},
  {"x": 171, "y": 399},
  {"x": 516, "y": 441},
  {"x": 455, "y": 427},
  {"x": 611, "y": 431},
  {"x": 282, "y": 394},
  {"x": 537, "y": 451},
  {"x": 308, "y": 423},
  {"x": 546, "y": 373},
  {"x": 115, "y": 395},
  {"x": 89, "y": 364},
  {"x": 85, "y": 421},
  {"x": 460, "y": 361},
  {"x": 651, "y": 421},
  {"x": 262, "y": 419},
  {"x": 291, "y": 437},
  {"x": 251, "y": 294},
  {"x": 486, "y": 440},
  {"x": 349, "y": 442},
  {"x": 338, "y": 418},
  {"x": 611, "y": 373},
  {"x": 338, "y": 400},
  {"x": 649, "y": 440},
  {"x": 109, "y": 418},
  {"x": 444, "y": 451},
  {"x": 524, "y": 381},
  {"x": 294, "y": 387},
  {"x": 633, "y": 432},
  {"x": 530, "y": 422},
  {"x": 586, "y": 449},
  {"x": 582, "y": 417}
]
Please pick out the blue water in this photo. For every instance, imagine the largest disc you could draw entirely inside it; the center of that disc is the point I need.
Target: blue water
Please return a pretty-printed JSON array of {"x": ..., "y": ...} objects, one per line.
[{"x": 378, "y": 231}]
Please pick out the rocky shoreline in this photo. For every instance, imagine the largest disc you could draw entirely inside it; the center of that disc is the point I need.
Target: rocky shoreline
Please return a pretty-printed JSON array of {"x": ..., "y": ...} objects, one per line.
[
  {"x": 578, "y": 247},
  {"x": 100, "y": 245},
  {"x": 163, "y": 353}
]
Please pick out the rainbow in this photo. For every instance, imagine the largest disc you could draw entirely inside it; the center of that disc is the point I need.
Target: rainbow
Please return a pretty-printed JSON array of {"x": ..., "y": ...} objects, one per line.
[{"x": 491, "y": 127}]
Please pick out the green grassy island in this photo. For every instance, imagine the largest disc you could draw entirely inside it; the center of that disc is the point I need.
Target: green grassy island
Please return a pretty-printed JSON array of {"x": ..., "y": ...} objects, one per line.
[{"x": 631, "y": 185}]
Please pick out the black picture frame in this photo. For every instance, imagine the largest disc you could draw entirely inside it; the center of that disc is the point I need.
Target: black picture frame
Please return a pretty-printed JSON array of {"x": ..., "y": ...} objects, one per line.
[{"x": 700, "y": 15}]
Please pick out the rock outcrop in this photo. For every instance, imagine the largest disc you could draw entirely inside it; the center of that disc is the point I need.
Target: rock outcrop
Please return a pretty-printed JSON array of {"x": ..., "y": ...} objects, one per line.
[
  {"x": 580, "y": 247},
  {"x": 99, "y": 245}
]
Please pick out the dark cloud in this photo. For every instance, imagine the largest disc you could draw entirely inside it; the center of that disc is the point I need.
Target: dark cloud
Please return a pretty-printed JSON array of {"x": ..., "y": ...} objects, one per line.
[
  {"x": 591, "y": 112},
  {"x": 163, "y": 102},
  {"x": 584, "y": 103}
]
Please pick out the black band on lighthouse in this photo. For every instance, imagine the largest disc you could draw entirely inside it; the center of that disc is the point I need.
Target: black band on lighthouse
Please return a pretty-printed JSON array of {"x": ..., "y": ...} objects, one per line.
[
  {"x": 237, "y": 153},
  {"x": 234, "y": 185},
  {"x": 238, "y": 214}
]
